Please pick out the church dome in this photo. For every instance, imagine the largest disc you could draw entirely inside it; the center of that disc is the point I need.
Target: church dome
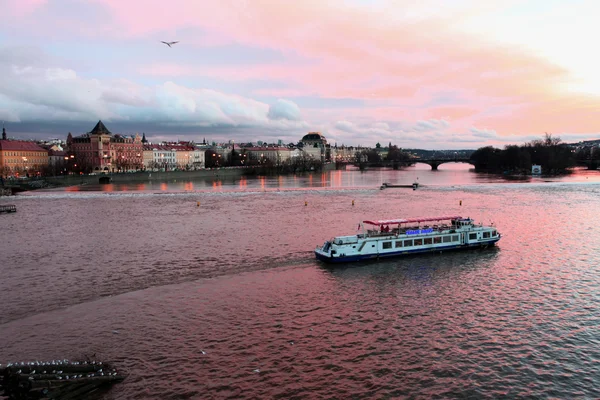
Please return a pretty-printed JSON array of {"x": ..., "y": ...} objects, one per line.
[{"x": 314, "y": 137}]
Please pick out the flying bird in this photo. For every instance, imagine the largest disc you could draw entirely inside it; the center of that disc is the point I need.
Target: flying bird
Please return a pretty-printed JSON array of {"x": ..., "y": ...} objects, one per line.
[{"x": 168, "y": 43}]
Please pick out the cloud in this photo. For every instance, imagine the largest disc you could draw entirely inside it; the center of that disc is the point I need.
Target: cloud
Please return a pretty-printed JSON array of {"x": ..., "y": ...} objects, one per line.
[
  {"x": 22, "y": 7},
  {"x": 484, "y": 133},
  {"x": 284, "y": 109},
  {"x": 30, "y": 91},
  {"x": 423, "y": 126},
  {"x": 381, "y": 125},
  {"x": 346, "y": 126},
  {"x": 403, "y": 71}
]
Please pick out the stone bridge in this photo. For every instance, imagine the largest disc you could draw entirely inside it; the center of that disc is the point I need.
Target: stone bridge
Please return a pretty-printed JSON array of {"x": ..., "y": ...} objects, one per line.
[{"x": 436, "y": 162}]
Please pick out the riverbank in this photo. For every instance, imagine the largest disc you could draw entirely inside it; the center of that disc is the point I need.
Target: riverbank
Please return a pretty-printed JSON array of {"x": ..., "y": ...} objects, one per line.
[{"x": 145, "y": 176}]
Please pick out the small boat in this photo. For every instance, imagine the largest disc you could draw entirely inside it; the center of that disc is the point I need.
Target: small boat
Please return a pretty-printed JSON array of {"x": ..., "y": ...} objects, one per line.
[
  {"x": 385, "y": 185},
  {"x": 396, "y": 237},
  {"x": 8, "y": 208}
]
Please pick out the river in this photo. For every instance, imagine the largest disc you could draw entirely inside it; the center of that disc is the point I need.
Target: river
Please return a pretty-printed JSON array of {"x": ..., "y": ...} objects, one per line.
[{"x": 210, "y": 289}]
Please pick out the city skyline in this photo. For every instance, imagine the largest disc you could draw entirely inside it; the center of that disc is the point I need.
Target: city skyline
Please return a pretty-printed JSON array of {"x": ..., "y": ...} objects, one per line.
[{"x": 436, "y": 75}]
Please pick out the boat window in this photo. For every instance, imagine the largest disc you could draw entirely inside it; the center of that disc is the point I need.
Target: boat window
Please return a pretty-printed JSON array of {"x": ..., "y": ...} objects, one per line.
[
  {"x": 486, "y": 235},
  {"x": 437, "y": 239},
  {"x": 455, "y": 238},
  {"x": 387, "y": 245},
  {"x": 447, "y": 239},
  {"x": 418, "y": 242},
  {"x": 407, "y": 243},
  {"x": 427, "y": 241},
  {"x": 472, "y": 236},
  {"x": 399, "y": 243},
  {"x": 494, "y": 233}
]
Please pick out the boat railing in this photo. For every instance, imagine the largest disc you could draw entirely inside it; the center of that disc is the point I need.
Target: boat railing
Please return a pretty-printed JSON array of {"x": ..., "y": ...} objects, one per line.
[{"x": 436, "y": 229}]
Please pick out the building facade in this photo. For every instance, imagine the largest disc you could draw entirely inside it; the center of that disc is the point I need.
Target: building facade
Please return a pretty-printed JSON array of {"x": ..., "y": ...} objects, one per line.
[
  {"x": 101, "y": 151},
  {"x": 21, "y": 158},
  {"x": 275, "y": 155}
]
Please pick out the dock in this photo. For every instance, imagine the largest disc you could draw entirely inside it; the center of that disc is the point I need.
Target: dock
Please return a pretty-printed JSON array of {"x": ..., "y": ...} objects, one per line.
[
  {"x": 56, "y": 379},
  {"x": 386, "y": 185},
  {"x": 8, "y": 208}
]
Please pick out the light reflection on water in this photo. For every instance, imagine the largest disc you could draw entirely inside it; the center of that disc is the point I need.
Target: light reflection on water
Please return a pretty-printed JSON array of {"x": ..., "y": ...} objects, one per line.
[
  {"x": 453, "y": 175},
  {"x": 236, "y": 278}
]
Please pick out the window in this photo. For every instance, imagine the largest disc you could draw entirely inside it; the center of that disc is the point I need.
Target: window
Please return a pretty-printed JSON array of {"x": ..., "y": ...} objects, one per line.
[
  {"x": 494, "y": 233},
  {"x": 387, "y": 245},
  {"x": 437, "y": 239},
  {"x": 418, "y": 242},
  {"x": 427, "y": 241},
  {"x": 486, "y": 235},
  {"x": 472, "y": 236},
  {"x": 447, "y": 239},
  {"x": 408, "y": 243},
  {"x": 399, "y": 243}
]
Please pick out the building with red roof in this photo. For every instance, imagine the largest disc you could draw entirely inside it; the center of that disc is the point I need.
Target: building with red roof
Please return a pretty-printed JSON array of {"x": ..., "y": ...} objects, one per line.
[{"x": 18, "y": 157}]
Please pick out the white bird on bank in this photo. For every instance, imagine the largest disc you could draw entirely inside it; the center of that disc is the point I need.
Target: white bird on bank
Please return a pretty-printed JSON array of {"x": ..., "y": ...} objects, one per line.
[{"x": 168, "y": 43}]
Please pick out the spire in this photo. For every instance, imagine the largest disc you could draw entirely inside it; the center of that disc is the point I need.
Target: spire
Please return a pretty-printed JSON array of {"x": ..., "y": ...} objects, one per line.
[
  {"x": 144, "y": 138},
  {"x": 100, "y": 129},
  {"x": 3, "y": 131}
]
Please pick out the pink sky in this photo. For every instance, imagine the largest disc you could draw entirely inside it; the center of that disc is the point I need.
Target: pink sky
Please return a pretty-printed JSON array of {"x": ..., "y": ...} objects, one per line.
[{"x": 359, "y": 71}]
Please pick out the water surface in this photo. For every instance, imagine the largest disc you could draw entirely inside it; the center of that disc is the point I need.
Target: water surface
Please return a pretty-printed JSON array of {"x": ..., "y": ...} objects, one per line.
[{"x": 146, "y": 278}]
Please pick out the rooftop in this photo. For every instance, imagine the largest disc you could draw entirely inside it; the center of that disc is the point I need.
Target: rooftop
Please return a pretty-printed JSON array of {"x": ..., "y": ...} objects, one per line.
[
  {"x": 20, "y": 145},
  {"x": 100, "y": 129}
]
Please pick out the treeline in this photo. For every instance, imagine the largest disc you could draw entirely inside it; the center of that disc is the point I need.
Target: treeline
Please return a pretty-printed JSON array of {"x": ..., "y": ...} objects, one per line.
[
  {"x": 554, "y": 156},
  {"x": 395, "y": 156}
]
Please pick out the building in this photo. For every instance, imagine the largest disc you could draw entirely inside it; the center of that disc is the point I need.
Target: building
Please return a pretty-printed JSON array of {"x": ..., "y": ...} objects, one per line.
[
  {"x": 159, "y": 157},
  {"x": 18, "y": 157},
  {"x": 171, "y": 156},
  {"x": 344, "y": 154},
  {"x": 312, "y": 138},
  {"x": 275, "y": 155},
  {"x": 315, "y": 146},
  {"x": 101, "y": 151}
]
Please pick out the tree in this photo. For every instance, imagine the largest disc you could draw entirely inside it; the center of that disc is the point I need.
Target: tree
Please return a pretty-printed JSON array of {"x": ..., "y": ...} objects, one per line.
[
  {"x": 397, "y": 155},
  {"x": 554, "y": 157}
]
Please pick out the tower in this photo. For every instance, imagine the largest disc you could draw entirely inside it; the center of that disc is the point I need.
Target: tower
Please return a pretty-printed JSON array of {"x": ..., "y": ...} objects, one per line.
[{"x": 3, "y": 131}]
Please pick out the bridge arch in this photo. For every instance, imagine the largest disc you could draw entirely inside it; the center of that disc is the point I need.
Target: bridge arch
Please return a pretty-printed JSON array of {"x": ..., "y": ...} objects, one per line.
[{"x": 435, "y": 163}]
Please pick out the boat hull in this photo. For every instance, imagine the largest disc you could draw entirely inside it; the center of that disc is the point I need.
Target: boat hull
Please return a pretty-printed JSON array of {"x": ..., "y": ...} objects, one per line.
[{"x": 360, "y": 257}]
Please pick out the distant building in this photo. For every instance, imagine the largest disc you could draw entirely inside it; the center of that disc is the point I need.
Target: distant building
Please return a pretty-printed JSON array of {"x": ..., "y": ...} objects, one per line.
[
  {"x": 312, "y": 138},
  {"x": 315, "y": 146},
  {"x": 276, "y": 155},
  {"x": 18, "y": 157},
  {"x": 101, "y": 151},
  {"x": 159, "y": 156}
]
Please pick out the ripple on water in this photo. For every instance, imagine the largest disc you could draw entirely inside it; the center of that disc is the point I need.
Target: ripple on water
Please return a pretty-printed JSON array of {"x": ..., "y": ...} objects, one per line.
[{"x": 227, "y": 301}]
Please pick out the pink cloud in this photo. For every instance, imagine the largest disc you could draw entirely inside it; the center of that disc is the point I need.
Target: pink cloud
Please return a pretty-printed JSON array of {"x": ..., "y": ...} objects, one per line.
[
  {"x": 19, "y": 8},
  {"x": 398, "y": 66}
]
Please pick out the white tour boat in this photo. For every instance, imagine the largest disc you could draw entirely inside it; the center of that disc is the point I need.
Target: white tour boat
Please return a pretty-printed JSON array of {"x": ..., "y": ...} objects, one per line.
[{"x": 396, "y": 237}]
